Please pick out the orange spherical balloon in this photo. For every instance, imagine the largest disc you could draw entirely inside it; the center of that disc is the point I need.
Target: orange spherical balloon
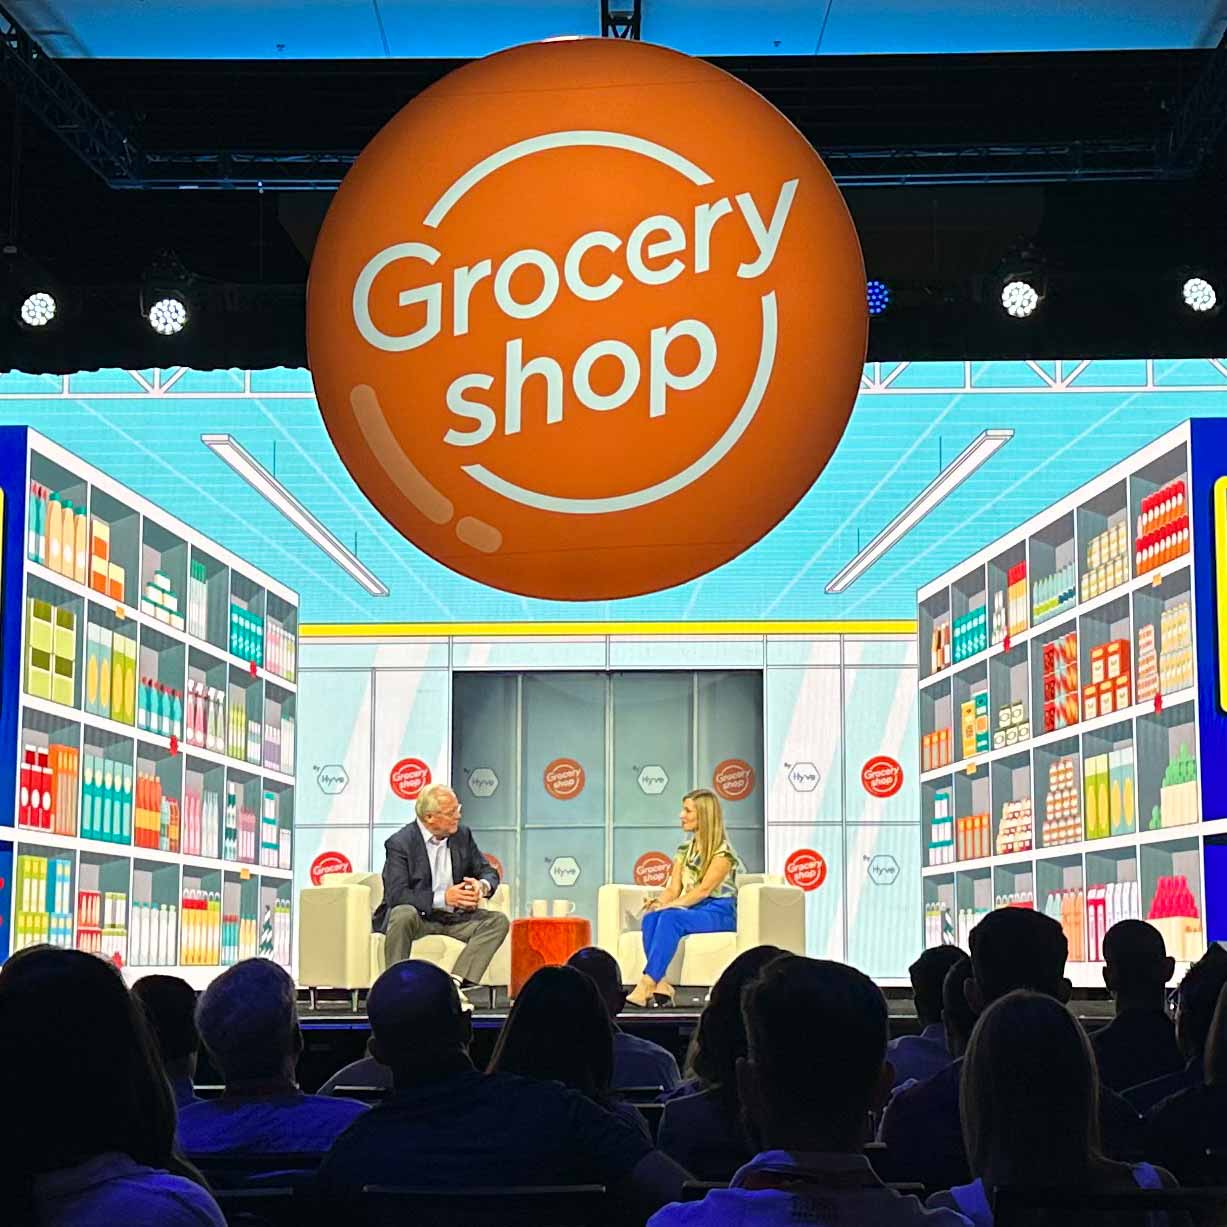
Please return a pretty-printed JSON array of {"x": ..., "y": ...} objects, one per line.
[{"x": 586, "y": 319}]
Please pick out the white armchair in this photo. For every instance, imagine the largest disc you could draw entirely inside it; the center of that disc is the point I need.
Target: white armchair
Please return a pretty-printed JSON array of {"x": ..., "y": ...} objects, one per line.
[
  {"x": 769, "y": 913},
  {"x": 337, "y": 949}
]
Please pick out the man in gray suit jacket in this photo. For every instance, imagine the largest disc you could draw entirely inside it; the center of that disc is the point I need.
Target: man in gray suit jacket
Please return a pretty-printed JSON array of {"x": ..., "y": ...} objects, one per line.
[{"x": 434, "y": 877}]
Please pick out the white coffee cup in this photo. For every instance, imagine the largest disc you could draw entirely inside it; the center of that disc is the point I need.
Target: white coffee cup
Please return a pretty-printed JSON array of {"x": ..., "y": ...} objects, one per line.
[
  {"x": 563, "y": 907},
  {"x": 541, "y": 907}
]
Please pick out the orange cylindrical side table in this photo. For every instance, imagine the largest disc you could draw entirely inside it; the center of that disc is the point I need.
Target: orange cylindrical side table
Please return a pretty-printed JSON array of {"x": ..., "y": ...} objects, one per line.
[{"x": 544, "y": 941}]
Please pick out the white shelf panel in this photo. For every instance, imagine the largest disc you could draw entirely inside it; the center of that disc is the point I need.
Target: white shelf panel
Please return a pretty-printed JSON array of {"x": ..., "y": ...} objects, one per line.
[
  {"x": 121, "y": 609},
  {"x": 1078, "y": 609},
  {"x": 33, "y": 703}
]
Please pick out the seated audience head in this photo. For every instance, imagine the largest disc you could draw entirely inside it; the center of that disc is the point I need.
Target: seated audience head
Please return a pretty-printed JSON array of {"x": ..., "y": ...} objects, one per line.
[
  {"x": 248, "y": 1021},
  {"x": 957, "y": 1014},
  {"x": 170, "y": 1008},
  {"x": 720, "y": 1037},
  {"x": 418, "y": 1024},
  {"x": 928, "y": 974},
  {"x": 1197, "y": 999},
  {"x": 602, "y": 969},
  {"x": 1136, "y": 964},
  {"x": 816, "y": 1061},
  {"x": 1030, "y": 1094},
  {"x": 1015, "y": 948},
  {"x": 1216, "y": 1044},
  {"x": 81, "y": 1069},
  {"x": 559, "y": 1031}
]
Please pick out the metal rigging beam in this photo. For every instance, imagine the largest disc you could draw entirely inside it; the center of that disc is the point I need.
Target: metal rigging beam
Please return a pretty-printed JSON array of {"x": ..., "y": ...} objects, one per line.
[
  {"x": 1199, "y": 124},
  {"x": 48, "y": 92},
  {"x": 621, "y": 18}
]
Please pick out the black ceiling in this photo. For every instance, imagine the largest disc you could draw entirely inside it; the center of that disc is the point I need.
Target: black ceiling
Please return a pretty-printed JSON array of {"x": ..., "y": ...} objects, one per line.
[{"x": 1106, "y": 242}]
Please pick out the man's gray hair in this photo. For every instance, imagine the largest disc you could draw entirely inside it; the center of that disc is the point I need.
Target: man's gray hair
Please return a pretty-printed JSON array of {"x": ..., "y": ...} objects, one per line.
[
  {"x": 248, "y": 1020},
  {"x": 428, "y": 799}
]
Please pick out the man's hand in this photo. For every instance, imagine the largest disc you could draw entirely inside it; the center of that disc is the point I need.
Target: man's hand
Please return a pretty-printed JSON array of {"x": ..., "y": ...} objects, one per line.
[{"x": 464, "y": 896}]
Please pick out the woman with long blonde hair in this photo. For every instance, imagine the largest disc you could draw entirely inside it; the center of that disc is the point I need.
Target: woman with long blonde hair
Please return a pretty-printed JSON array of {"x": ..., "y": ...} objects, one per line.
[{"x": 701, "y": 896}]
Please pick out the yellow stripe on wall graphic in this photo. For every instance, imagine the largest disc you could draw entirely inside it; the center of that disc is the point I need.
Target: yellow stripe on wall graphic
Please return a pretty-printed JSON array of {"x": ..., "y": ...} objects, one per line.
[{"x": 443, "y": 630}]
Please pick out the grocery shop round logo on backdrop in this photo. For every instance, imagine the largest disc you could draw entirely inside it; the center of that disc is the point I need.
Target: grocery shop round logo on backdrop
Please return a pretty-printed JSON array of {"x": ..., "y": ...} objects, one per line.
[
  {"x": 329, "y": 862},
  {"x": 652, "y": 869},
  {"x": 564, "y": 779},
  {"x": 733, "y": 779},
  {"x": 805, "y": 868},
  {"x": 586, "y": 319},
  {"x": 882, "y": 776},
  {"x": 408, "y": 778}
]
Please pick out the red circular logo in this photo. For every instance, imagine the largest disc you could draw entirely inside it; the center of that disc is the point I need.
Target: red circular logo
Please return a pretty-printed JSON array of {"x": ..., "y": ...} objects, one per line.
[
  {"x": 409, "y": 777},
  {"x": 733, "y": 779},
  {"x": 498, "y": 865},
  {"x": 652, "y": 869},
  {"x": 329, "y": 862},
  {"x": 564, "y": 779},
  {"x": 882, "y": 776},
  {"x": 805, "y": 868}
]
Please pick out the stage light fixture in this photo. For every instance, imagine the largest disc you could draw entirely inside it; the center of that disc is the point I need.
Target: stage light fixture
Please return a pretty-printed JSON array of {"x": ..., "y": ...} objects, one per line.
[
  {"x": 38, "y": 309},
  {"x": 1019, "y": 298},
  {"x": 1199, "y": 295},
  {"x": 878, "y": 295},
  {"x": 168, "y": 316}
]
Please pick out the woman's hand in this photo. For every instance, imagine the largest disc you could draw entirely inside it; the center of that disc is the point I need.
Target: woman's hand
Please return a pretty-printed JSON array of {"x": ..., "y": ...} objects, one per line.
[{"x": 650, "y": 903}]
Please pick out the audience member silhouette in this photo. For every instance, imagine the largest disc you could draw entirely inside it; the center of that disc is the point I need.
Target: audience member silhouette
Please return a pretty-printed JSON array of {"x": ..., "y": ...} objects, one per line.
[
  {"x": 1187, "y": 1131},
  {"x": 1196, "y": 1000},
  {"x": 1011, "y": 948},
  {"x": 917, "y": 1057},
  {"x": 1030, "y": 1109},
  {"x": 91, "y": 1122},
  {"x": 559, "y": 1030},
  {"x": 704, "y": 1130},
  {"x": 638, "y": 1062},
  {"x": 1139, "y": 1044},
  {"x": 447, "y": 1126},
  {"x": 170, "y": 1007},
  {"x": 248, "y": 1022},
  {"x": 814, "y": 1071}
]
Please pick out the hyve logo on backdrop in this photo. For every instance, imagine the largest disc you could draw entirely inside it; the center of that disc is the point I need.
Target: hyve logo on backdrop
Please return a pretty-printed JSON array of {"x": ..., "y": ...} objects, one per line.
[{"x": 531, "y": 336}]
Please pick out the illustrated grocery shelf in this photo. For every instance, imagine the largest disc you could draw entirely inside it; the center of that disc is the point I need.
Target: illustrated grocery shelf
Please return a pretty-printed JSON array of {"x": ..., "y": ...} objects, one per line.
[
  {"x": 121, "y": 623},
  {"x": 1076, "y": 762}
]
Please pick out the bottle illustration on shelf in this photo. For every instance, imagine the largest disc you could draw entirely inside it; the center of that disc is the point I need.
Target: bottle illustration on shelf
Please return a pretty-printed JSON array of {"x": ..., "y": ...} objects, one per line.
[
  {"x": 1100, "y": 792},
  {"x": 146, "y": 754}
]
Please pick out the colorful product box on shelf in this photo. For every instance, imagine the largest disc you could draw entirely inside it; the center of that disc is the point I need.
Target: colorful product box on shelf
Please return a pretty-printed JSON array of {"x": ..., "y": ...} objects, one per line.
[
  {"x": 1060, "y": 682},
  {"x": 106, "y": 799},
  {"x": 1109, "y": 689},
  {"x": 1053, "y": 594},
  {"x": 198, "y": 601},
  {"x": 1176, "y": 649},
  {"x": 976, "y": 738},
  {"x": 201, "y": 813},
  {"x": 1012, "y": 725},
  {"x": 1016, "y": 832},
  {"x": 1178, "y": 793},
  {"x": 939, "y": 646},
  {"x": 107, "y": 931},
  {"x": 935, "y": 749},
  {"x": 972, "y": 838},
  {"x": 159, "y": 709},
  {"x": 157, "y": 815},
  {"x": 1163, "y": 527},
  {"x": 1174, "y": 912},
  {"x": 43, "y": 902},
  {"x": 1148, "y": 664},
  {"x": 1068, "y": 908},
  {"x": 1110, "y": 787},
  {"x": 285, "y": 848},
  {"x": 1016, "y": 599},
  {"x": 246, "y": 635},
  {"x": 970, "y": 633},
  {"x": 1022, "y": 898},
  {"x": 939, "y": 925},
  {"x": 1106, "y": 905},
  {"x": 154, "y": 940},
  {"x": 941, "y": 839},
  {"x": 201, "y": 928},
  {"x": 51, "y": 650},
  {"x": 269, "y": 831},
  {"x": 160, "y": 601},
  {"x": 1107, "y": 562},
  {"x": 49, "y": 788},
  {"x": 1062, "y": 807},
  {"x": 281, "y": 652}
]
